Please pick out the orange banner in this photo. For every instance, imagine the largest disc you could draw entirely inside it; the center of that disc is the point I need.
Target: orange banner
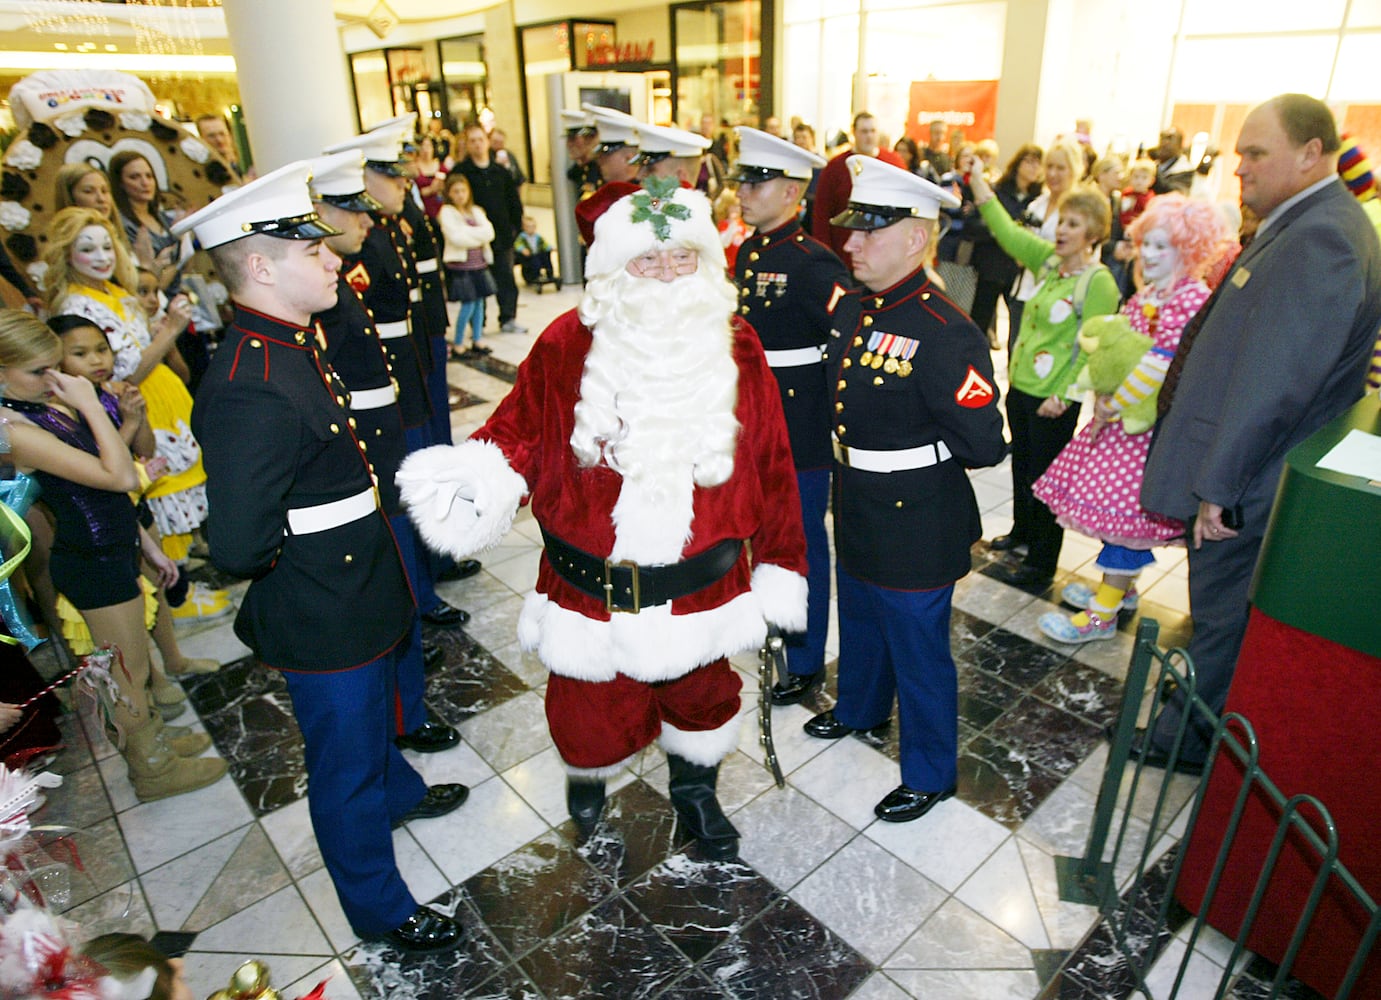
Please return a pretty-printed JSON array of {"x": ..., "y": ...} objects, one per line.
[{"x": 967, "y": 104}]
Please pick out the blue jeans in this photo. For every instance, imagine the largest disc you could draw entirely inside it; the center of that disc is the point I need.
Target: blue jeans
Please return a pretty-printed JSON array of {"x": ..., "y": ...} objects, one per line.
[{"x": 471, "y": 314}]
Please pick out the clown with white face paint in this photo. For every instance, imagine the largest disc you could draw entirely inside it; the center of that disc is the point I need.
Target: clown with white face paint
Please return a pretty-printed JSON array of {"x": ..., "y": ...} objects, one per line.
[
  {"x": 1094, "y": 483},
  {"x": 646, "y": 430}
]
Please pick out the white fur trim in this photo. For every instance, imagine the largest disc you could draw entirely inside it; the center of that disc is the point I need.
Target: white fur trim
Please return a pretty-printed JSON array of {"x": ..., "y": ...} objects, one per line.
[
  {"x": 461, "y": 497},
  {"x": 598, "y": 773},
  {"x": 782, "y": 595},
  {"x": 651, "y": 646},
  {"x": 706, "y": 748}
]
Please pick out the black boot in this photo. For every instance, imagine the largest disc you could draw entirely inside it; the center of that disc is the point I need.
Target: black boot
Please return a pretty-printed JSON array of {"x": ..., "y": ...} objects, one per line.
[
  {"x": 692, "y": 793},
  {"x": 585, "y": 800}
]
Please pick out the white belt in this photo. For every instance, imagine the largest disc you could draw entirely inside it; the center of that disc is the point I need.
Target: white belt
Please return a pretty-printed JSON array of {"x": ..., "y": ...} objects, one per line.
[
  {"x": 324, "y": 516},
  {"x": 794, "y": 358},
  {"x": 372, "y": 399},
  {"x": 426, "y": 266},
  {"x": 897, "y": 460},
  {"x": 414, "y": 295},
  {"x": 392, "y": 331}
]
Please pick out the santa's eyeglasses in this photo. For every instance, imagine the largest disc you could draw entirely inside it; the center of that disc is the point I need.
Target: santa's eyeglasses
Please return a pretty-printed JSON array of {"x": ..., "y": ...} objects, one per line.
[{"x": 664, "y": 264}]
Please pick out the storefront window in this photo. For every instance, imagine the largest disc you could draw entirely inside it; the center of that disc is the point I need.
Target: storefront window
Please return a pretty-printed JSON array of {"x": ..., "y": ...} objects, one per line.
[
  {"x": 719, "y": 68},
  {"x": 556, "y": 48},
  {"x": 463, "y": 73}
]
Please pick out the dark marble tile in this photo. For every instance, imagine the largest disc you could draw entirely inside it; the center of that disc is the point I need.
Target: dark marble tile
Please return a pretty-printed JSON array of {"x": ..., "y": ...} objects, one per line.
[
  {"x": 1001, "y": 783},
  {"x": 1043, "y": 590},
  {"x": 983, "y": 697},
  {"x": 639, "y": 830},
  {"x": 470, "y": 682},
  {"x": 1097, "y": 970},
  {"x": 459, "y": 399},
  {"x": 1176, "y": 627},
  {"x": 1046, "y": 736},
  {"x": 233, "y": 684},
  {"x": 1258, "y": 978},
  {"x": 1047, "y": 962},
  {"x": 966, "y": 629},
  {"x": 1082, "y": 691},
  {"x": 694, "y": 987},
  {"x": 249, "y": 725},
  {"x": 491, "y": 365},
  {"x": 698, "y": 904},
  {"x": 209, "y": 576},
  {"x": 536, "y": 891},
  {"x": 381, "y": 971},
  {"x": 79, "y": 802},
  {"x": 784, "y": 955},
  {"x": 612, "y": 952},
  {"x": 272, "y": 777},
  {"x": 1016, "y": 660}
]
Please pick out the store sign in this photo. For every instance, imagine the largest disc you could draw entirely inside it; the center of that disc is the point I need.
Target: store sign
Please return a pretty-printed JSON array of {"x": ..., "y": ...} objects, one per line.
[
  {"x": 970, "y": 105},
  {"x": 622, "y": 52}
]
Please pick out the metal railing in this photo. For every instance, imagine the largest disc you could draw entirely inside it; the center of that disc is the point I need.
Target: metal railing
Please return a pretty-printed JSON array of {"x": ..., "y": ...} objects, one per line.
[{"x": 1091, "y": 878}]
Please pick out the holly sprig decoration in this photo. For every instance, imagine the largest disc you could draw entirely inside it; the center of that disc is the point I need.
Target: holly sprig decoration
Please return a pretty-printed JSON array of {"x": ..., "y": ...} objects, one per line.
[{"x": 654, "y": 204}]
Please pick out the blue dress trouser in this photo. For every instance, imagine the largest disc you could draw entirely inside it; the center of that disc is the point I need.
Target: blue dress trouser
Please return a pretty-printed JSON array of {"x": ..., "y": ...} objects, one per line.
[
  {"x": 896, "y": 643},
  {"x": 358, "y": 785},
  {"x": 412, "y": 680},
  {"x": 805, "y": 651},
  {"x": 439, "y": 392}
]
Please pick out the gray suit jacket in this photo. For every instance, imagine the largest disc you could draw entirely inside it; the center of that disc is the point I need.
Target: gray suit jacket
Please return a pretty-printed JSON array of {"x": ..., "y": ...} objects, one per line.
[{"x": 1283, "y": 351}]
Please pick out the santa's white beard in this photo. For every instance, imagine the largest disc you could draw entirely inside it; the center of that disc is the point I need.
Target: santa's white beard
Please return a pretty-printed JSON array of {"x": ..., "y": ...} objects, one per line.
[{"x": 657, "y": 398}]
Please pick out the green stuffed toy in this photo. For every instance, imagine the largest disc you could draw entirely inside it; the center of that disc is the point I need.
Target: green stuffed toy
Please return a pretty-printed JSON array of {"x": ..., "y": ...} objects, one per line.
[{"x": 1113, "y": 350}]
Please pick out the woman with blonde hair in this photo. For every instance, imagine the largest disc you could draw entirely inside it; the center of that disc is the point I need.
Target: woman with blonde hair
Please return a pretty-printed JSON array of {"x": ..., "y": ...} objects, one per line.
[
  {"x": 64, "y": 433},
  {"x": 90, "y": 274},
  {"x": 83, "y": 185}
]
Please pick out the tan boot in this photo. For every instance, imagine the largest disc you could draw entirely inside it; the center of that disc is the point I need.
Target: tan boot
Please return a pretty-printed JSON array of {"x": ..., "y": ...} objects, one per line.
[
  {"x": 157, "y": 772},
  {"x": 165, "y": 692},
  {"x": 181, "y": 740}
]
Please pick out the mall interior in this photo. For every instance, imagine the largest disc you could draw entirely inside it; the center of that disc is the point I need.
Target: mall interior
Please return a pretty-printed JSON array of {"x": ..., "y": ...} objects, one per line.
[{"x": 826, "y": 902}]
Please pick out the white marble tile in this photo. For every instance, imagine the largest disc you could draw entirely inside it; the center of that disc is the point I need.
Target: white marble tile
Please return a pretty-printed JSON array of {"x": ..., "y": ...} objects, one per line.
[
  {"x": 208, "y": 971},
  {"x": 971, "y": 984},
  {"x": 320, "y": 894},
  {"x": 1089, "y": 775},
  {"x": 946, "y": 845},
  {"x": 338, "y": 984},
  {"x": 1066, "y": 923},
  {"x": 217, "y": 642},
  {"x": 879, "y": 987},
  {"x": 793, "y": 746},
  {"x": 1201, "y": 976},
  {"x": 174, "y": 889},
  {"x": 869, "y": 898},
  {"x": 848, "y": 779},
  {"x": 1111, "y": 656},
  {"x": 474, "y": 593},
  {"x": 986, "y": 598},
  {"x": 541, "y": 781},
  {"x": 999, "y": 890},
  {"x": 1214, "y": 945},
  {"x": 1024, "y": 624},
  {"x": 495, "y": 624},
  {"x": 290, "y": 830},
  {"x": 786, "y": 835},
  {"x": 955, "y": 937},
  {"x": 510, "y": 732},
  {"x": 460, "y": 763},
  {"x": 1171, "y": 590},
  {"x": 989, "y": 494},
  {"x": 121, "y": 909},
  {"x": 281, "y": 924},
  {"x": 513, "y": 545},
  {"x": 160, "y": 831},
  {"x": 1061, "y": 825},
  {"x": 493, "y": 823},
  {"x": 526, "y": 665},
  {"x": 519, "y": 574}
]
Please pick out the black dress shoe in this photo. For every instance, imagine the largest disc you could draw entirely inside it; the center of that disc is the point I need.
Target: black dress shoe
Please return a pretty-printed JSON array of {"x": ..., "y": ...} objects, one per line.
[
  {"x": 1148, "y": 753},
  {"x": 460, "y": 569},
  {"x": 430, "y": 737},
  {"x": 1006, "y": 543},
  {"x": 433, "y": 655},
  {"x": 426, "y": 930},
  {"x": 1022, "y": 576},
  {"x": 796, "y": 687},
  {"x": 445, "y": 616},
  {"x": 903, "y": 804},
  {"x": 439, "y": 800},
  {"x": 826, "y": 727}
]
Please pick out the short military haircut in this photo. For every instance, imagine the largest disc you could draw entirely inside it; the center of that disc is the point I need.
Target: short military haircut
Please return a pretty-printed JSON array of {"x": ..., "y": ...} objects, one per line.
[
  {"x": 1304, "y": 118},
  {"x": 230, "y": 258}
]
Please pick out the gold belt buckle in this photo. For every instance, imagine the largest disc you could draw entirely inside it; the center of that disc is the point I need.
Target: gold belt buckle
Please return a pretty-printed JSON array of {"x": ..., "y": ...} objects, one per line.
[
  {"x": 609, "y": 604},
  {"x": 843, "y": 455}
]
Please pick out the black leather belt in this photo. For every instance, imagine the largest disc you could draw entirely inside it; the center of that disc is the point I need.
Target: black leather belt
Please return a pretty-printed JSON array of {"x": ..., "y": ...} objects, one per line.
[{"x": 628, "y": 587}]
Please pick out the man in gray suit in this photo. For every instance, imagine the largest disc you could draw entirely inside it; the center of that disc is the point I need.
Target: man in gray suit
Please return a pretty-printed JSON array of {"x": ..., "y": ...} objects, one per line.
[{"x": 1282, "y": 350}]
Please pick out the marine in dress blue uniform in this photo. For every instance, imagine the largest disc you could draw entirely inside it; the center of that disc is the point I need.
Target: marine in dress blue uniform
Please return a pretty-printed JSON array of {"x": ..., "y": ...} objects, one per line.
[
  {"x": 350, "y": 344},
  {"x": 914, "y": 405},
  {"x": 300, "y": 517},
  {"x": 787, "y": 282}
]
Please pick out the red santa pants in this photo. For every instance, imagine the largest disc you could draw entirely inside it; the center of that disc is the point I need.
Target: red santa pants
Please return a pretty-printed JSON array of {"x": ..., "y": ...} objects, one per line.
[{"x": 600, "y": 723}]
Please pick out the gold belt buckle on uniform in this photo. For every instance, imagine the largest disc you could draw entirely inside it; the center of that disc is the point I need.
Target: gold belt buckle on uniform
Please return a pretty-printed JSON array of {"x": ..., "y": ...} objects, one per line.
[{"x": 609, "y": 604}]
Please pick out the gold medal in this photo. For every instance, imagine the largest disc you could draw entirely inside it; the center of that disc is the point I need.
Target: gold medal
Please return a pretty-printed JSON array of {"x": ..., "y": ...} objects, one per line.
[
  {"x": 904, "y": 369},
  {"x": 876, "y": 362},
  {"x": 890, "y": 366},
  {"x": 867, "y": 358}
]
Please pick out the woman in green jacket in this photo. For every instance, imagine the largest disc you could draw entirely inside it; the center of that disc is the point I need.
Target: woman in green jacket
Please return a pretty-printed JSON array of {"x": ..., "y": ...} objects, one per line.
[{"x": 1072, "y": 285}]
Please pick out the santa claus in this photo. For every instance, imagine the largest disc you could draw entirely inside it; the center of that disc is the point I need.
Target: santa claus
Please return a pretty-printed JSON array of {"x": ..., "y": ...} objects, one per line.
[{"x": 646, "y": 430}]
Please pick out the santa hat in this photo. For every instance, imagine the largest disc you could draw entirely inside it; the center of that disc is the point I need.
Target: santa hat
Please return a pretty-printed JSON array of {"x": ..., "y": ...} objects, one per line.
[
  {"x": 588, "y": 211},
  {"x": 661, "y": 216},
  {"x": 1355, "y": 169}
]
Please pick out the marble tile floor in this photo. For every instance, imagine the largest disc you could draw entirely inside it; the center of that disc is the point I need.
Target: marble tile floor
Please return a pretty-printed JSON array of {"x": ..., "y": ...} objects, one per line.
[{"x": 826, "y": 901}]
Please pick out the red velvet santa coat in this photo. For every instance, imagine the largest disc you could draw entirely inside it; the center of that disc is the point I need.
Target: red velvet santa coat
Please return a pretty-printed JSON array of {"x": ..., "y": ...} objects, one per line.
[{"x": 524, "y": 450}]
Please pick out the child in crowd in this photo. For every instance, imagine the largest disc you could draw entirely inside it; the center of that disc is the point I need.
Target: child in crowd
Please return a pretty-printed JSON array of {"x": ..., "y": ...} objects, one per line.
[
  {"x": 534, "y": 255},
  {"x": 467, "y": 256},
  {"x": 1138, "y": 193},
  {"x": 733, "y": 230}
]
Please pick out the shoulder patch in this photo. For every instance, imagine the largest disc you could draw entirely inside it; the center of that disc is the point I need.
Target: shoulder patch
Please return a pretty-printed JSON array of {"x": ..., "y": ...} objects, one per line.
[
  {"x": 975, "y": 392},
  {"x": 839, "y": 292}
]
